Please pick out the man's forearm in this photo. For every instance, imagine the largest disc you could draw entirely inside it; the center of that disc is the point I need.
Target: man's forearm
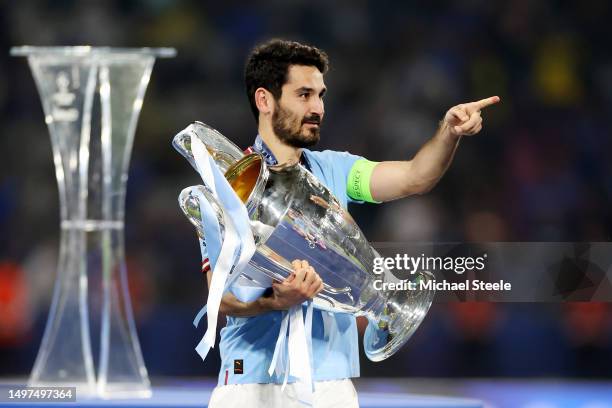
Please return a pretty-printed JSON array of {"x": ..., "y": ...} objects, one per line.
[
  {"x": 434, "y": 158},
  {"x": 302, "y": 284},
  {"x": 234, "y": 307}
]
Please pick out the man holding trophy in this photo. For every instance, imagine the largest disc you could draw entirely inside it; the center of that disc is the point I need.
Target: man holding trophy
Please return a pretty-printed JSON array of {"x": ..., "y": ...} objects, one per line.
[{"x": 285, "y": 87}]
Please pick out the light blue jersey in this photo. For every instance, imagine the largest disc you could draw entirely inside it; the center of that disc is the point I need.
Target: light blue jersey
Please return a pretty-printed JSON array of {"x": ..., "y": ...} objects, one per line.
[{"x": 247, "y": 343}]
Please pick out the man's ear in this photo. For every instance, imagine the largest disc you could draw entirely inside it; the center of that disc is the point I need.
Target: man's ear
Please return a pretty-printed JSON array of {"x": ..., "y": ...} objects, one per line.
[{"x": 264, "y": 101}]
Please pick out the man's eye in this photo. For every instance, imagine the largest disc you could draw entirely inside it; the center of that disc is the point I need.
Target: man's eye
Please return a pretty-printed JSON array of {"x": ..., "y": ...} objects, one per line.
[{"x": 304, "y": 95}]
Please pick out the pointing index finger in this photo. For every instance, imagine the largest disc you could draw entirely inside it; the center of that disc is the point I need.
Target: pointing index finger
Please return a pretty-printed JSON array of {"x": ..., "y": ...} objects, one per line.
[{"x": 483, "y": 103}]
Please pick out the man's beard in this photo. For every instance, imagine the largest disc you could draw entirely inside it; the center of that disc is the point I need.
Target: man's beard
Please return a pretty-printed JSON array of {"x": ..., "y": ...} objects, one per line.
[{"x": 288, "y": 128}]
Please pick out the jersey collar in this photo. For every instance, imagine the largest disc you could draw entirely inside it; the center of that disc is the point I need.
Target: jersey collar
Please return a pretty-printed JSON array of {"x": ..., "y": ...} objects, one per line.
[{"x": 260, "y": 147}]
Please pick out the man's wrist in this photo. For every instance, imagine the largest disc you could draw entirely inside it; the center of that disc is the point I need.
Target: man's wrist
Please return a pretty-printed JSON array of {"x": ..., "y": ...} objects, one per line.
[{"x": 446, "y": 134}]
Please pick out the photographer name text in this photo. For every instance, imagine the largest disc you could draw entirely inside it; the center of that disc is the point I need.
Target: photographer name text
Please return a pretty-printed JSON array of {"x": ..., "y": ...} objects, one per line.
[{"x": 443, "y": 285}]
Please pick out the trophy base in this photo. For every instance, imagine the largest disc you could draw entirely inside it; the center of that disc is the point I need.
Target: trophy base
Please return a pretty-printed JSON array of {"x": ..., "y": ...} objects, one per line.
[{"x": 409, "y": 308}]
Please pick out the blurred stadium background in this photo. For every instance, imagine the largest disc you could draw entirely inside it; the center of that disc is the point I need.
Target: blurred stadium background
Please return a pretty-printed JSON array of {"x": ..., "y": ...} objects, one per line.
[{"x": 539, "y": 170}]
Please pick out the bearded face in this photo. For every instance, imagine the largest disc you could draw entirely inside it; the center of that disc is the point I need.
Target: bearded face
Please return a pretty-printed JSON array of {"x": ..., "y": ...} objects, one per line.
[{"x": 296, "y": 130}]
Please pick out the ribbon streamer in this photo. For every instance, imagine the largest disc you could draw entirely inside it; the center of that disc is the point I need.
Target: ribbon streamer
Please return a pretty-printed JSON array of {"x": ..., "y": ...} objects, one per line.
[
  {"x": 238, "y": 240},
  {"x": 294, "y": 357}
]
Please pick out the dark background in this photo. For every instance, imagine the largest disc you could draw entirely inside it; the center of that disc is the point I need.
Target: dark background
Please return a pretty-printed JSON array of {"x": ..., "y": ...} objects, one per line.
[{"x": 538, "y": 171}]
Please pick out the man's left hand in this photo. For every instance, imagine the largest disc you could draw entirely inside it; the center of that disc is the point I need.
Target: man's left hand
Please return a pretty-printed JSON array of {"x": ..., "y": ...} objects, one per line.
[{"x": 465, "y": 119}]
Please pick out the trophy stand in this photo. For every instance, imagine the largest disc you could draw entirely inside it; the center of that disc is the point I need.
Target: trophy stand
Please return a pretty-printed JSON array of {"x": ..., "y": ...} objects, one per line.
[{"x": 92, "y": 141}]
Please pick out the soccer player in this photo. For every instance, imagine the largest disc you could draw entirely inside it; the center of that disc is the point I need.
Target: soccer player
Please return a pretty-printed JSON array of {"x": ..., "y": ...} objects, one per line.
[{"x": 286, "y": 90}]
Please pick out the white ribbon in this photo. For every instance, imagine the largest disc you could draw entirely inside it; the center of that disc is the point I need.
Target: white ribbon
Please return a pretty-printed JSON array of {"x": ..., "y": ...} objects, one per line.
[
  {"x": 279, "y": 358},
  {"x": 295, "y": 357},
  {"x": 238, "y": 239}
]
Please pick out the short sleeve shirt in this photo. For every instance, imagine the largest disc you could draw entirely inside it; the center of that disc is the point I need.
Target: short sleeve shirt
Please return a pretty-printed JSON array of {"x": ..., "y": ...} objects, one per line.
[{"x": 334, "y": 335}]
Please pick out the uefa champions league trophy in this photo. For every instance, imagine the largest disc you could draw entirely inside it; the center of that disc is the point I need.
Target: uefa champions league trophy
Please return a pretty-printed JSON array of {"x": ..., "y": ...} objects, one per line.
[
  {"x": 92, "y": 141},
  {"x": 294, "y": 216}
]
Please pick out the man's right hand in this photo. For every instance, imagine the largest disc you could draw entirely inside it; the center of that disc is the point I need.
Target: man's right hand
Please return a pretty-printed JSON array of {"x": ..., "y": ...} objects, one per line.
[{"x": 303, "y": 284}]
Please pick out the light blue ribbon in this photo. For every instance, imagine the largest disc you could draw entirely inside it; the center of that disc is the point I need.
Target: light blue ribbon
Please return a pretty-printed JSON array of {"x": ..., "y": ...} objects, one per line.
[{"x": 238, "y": 245}]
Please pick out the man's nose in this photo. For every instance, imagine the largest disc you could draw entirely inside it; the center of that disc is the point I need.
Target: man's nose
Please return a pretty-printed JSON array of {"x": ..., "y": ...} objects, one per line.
[{"x": 317, "y": 106}]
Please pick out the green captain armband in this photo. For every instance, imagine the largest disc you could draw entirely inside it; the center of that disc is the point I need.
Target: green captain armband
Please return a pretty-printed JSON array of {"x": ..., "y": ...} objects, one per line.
[{"x": 358, "y": 182}]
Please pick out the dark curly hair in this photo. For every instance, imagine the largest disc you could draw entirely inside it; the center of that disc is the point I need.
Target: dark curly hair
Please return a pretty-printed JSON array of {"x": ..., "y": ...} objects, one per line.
[{"x": 268, "y": 64}]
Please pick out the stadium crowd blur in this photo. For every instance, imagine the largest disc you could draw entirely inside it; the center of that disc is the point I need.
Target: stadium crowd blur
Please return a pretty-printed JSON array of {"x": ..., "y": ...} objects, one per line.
[{"x": 539, "y": 170}]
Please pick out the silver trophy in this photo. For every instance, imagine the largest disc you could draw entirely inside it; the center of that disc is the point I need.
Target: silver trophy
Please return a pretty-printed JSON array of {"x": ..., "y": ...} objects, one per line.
[
  {"x": 294, "y": 216},
  {"x": 91, "y": 97}
]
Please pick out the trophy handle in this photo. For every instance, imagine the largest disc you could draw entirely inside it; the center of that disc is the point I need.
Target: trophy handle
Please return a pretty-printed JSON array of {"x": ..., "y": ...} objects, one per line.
[
  {"x": 189, "y": 202},
  {"x": 223, "y": 151}
]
